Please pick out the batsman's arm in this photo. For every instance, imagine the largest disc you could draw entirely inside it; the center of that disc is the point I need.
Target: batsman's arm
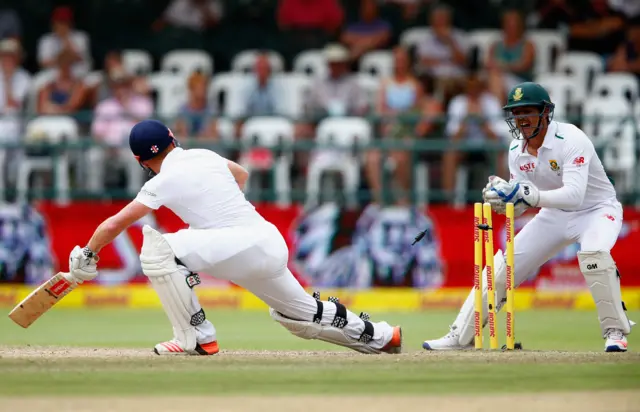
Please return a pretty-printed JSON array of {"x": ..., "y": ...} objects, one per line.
[
  {"x": 239, "y": 173},
  {"x": 116, "y": 224}
]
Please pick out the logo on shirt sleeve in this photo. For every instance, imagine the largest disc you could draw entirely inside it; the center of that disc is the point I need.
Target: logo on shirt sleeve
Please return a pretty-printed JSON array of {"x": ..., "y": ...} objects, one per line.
[
  {"x": 578, "y": 161},
  {"x": 554, "y": 165},
  {"x": 148, "y": 193}
]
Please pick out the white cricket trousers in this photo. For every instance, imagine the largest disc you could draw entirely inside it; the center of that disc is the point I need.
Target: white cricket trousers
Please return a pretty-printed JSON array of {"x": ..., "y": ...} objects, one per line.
[
  {"x": 551, "y": 230},
  {"x": 255, "y": 257}
]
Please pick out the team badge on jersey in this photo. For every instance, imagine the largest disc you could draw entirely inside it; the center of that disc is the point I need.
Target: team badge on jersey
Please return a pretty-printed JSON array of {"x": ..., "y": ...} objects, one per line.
[{"x": 554, "y": 165}]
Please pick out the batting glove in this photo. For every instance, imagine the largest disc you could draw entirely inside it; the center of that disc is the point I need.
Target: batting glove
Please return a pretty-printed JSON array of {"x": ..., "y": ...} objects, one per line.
[{"x": 82, "y": 264}]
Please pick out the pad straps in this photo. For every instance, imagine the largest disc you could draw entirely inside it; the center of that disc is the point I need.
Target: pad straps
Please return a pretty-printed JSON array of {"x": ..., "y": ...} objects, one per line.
[{"x": 340, "y": 319}]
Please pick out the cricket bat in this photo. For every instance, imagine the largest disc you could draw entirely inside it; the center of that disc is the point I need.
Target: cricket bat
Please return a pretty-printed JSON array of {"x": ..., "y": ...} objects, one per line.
[{"x": 42, "y": 299}]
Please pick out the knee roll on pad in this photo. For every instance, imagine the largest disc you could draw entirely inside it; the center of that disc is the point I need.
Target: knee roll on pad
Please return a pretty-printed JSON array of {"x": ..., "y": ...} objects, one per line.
[
  {"x": 333, "y": 333},
  {"x": 173, "y": 284},
  {"x": 601, "y": 275}
]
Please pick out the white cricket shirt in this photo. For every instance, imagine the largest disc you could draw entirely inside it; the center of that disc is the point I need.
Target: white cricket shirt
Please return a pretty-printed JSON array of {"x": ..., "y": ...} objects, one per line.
[
  {"x": 197, "y": 186},
  {"x": 567, "y": 170}
]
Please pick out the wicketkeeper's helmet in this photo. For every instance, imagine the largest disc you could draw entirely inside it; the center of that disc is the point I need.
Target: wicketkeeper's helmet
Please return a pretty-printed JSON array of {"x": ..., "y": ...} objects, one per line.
[{"x": 526, "y": 95}]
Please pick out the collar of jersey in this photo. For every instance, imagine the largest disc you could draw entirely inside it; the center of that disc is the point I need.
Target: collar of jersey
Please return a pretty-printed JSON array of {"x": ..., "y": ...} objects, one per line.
[
  {"x": 547, "y": 143},
  {"x": 171, "y": 155}
]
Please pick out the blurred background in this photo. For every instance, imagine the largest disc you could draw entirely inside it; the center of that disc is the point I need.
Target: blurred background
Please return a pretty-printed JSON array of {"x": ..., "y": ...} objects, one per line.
[{"x": 363, "y": 122}]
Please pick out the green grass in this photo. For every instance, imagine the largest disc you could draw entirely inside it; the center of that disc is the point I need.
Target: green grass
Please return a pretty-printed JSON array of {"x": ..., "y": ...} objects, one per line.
[{"x": 417, "y": 372}]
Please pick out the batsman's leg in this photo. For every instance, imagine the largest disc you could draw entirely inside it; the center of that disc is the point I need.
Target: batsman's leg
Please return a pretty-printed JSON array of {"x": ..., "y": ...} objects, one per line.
[
  {"x": 193, "y": 333},
  {"x": 538, "y": 241},
  {"x": 255, "y": 258},
  {"x": 598, "y": 232}
]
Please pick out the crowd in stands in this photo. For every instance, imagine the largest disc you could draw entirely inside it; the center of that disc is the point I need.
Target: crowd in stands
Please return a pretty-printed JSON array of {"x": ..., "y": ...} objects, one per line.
[{"x": 430, "y": 80}]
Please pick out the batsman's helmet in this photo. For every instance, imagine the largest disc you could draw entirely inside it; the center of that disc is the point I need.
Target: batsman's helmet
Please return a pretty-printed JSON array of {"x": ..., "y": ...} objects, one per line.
[
  {"x": 528, "y": 94},
  {"x": 148, "y": 139}
]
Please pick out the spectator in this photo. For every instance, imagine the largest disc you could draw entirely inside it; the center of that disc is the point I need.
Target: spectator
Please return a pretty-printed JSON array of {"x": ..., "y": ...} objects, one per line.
[
  {"x": 113, "y": 62},
  {"x": 442, "y": 53},
  {"x": 303, "y": 15},
  {"x": 369, "y": 33},
  {"x": 14, "y": 85},
  {"x": 194, "y": 119},
  {"x": 113, "y": 119},
  {"x": 550, "y": 14},
  {"x": 66, "y": 93},
  {"x": 627, "y": 57},
  {"x": 630, "y": 8},
  {"x": 64, "y": 38},
  {"x": 196, "y": 15},
  {"x": 262, "y": 99},
  {"x": 596, "y": 28},
  {"x": 337, "y": 95},
  {"x": 399, "y": 103},
  {"x": 475, "y": 117},
  {"x": 511, "y": 59},
  {"x": 10, "y": 25}
]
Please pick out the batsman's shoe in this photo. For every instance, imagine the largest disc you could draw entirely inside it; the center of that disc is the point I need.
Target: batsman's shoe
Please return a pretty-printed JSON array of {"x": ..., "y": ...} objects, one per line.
[
  {"x": 395, "y": 344},
  {"x": 173, "y": 348},
  {"x": 616, "y": 341},
  {"x": 449, "y": 342}
]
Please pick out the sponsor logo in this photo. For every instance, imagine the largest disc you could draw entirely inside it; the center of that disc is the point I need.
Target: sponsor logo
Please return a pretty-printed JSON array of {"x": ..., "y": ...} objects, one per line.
[
  {"x": 526, "y": 190},
  {"x": 611, "y": 218},
  {"x": 554, "y": 165},
  {"x": 148, "y": 193},
  {"x": 59, "y": 287},
  {"x": 444, "y": 301},
  {"x": 8, "y": 299},
  {"x": 103, "y": 300},
  {"x": 529, "y": 167},
  {"x": 193, "y": 280},
  {"x": 592, "y": 266},
  {"x": 554, "y": 302},
  {"x": 578, "y": 161}
]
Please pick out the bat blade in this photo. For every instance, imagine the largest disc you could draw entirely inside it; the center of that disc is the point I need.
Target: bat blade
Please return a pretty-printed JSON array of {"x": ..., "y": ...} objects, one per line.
[{"x": 42, "y": 299}]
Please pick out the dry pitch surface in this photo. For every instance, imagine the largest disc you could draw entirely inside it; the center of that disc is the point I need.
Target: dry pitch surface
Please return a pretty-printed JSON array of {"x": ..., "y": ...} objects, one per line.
[{"x": 565, "y": 401}]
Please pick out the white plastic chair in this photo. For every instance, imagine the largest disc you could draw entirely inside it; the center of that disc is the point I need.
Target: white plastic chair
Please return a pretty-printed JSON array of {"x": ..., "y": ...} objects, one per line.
[
  {"x": 564, "y": 91},
  {"x": 611, "y": 127},
  {"x": 185, "y": 62},
  {"x": 548, "y": 43},
  {"x": 344, "y": 133},
  {"x": 171, "y": 93},
  {"x": 412, "y": 37},
  {"x": 137, "y": 62},
  {"x": 93, "y": 78},
  {"x": 583, "y": 66},
  {"x": 234, "y": 88},
  {"x": 272, "y": 132},
  {"x": 244, "y": 61},
  {"x": 482, "y": 40},
  {"x": 615, "y": 85},
  {"x": 379, "y": 63},
  {"x": 291, "y": 90},
  {"x": 38, "y": 81},
  {"x": 54, "y": 130},
  {"x": 371, "y": 85},
  {"x": 311, "y": 63}
]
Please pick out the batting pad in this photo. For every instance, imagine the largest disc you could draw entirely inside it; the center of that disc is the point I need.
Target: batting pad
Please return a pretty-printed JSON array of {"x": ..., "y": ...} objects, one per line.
[
  {"x": 171, "y": 285},
  {"x": 601, "y": 275},
  {"x": 464, "y": 323},
  {"x": 331, "y": 334}
]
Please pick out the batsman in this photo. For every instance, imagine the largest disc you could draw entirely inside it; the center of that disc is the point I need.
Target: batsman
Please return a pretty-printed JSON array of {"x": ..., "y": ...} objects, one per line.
[
  {"x": 553, "y": 167},
  {"x": 228, "y": 239}
]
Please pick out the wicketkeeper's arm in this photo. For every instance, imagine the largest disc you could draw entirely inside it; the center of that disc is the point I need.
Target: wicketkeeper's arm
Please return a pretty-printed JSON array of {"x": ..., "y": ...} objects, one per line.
[{"x": 575, "y": 176}]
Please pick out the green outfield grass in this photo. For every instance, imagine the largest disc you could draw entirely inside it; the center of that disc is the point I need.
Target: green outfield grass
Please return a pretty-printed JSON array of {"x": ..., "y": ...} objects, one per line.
[{"x": 105, "y": 352}]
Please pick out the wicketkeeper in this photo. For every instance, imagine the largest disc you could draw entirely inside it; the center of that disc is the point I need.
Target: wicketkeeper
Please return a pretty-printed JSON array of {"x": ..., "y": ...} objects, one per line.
[
  {"x": 226, "y": 239},
  {"x": 554, "y": 167}
]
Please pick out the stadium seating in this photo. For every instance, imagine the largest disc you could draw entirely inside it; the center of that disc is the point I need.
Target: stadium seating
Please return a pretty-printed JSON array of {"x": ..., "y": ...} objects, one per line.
[
  {"x": 609, "y": 124},
  {"x": 171, "y": 91},
  {"x": 231, "y": 89},
  {"x": 623, "y": 85},
  {"x": 137, "y": 62},
  {"x": 291, "y": 89},
  {"x": 378, "y": 63},
  {"x": 43, "y": 130},
  {"x": 548, "y": 44},
  {"x": 311, "y": 63},
  {"x": 346, "y": 133},
  {"x": 185, "y": 62},
  {"x": 274, "y": 133},
  {"x": 564, "y": 90},
  {"x": 583, "y": 66},
  {"x": 244, "y": 61},
  {"x": 479, "y": 42}
]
